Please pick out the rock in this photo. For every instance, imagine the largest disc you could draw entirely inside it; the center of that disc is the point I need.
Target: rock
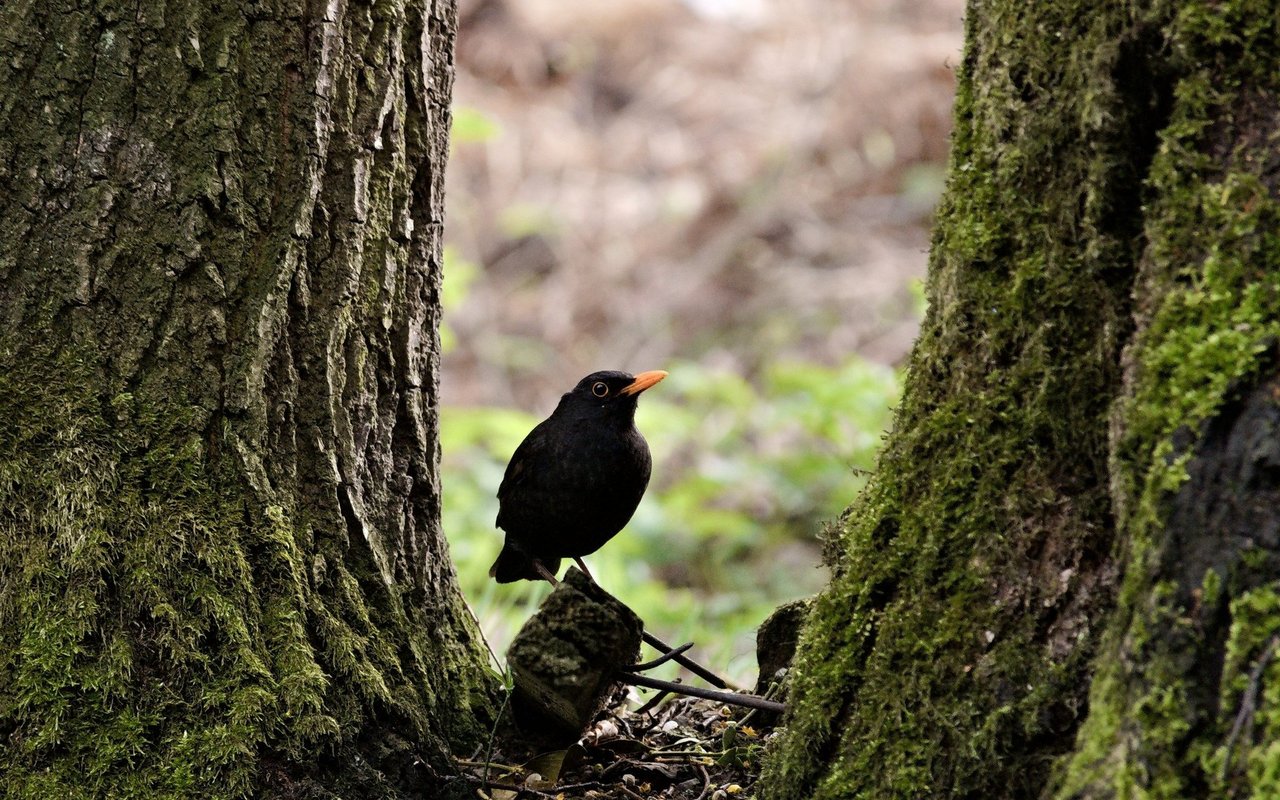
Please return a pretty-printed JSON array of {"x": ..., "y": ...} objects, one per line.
[
  {"x": 776, "y": 645},
  {"x": 565, "y": 657}
]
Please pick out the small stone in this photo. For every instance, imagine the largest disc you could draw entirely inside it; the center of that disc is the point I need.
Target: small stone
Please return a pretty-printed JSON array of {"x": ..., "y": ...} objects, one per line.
[
  {"x": 565, "y": 657},
  {"x": 602, "y": 731},
  {"x": 776, "y": 640}
]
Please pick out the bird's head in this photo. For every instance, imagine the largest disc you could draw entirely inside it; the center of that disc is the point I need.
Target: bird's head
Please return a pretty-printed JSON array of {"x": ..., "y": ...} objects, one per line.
[{"x": 613, "y": 390}]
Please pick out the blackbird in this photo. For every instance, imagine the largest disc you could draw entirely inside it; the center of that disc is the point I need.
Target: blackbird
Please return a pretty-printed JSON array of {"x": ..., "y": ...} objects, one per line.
[{"x": 575, "y": 480}]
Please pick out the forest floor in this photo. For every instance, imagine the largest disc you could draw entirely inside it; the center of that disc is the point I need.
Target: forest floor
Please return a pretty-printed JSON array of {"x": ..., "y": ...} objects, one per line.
[{"x": 679, "y": 749}]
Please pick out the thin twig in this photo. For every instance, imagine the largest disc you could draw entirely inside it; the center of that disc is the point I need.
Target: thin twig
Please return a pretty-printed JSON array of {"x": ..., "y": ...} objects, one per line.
[
  {"x": 662, "y": 659},
  {"x": 686, "y": 662},
  {"x": 511, "y": 787},
  {"x": 486, "y": 764},
  {"x": 493, "y": 734},
  {"x": 731, "y": 698},
  {"x": 706, "y": 782},
  {"x": 497, "y": 662},
  {"x": 674, "y": 747},
  {"x": 621, "y": 720},
  {"x": 648, "y": 706},
  {"x": 775, "y": 687},
  {"x": 575, "y": 786}
]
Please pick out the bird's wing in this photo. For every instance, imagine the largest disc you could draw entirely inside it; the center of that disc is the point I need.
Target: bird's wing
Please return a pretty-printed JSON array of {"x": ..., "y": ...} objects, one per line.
[
  {"x": 522, "y": 469},
  {"x": 530, "y": 450}
]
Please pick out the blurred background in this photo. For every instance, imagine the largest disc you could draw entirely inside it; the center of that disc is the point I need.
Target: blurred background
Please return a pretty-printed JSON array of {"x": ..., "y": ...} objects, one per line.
[{"x": 737, "y": 191}]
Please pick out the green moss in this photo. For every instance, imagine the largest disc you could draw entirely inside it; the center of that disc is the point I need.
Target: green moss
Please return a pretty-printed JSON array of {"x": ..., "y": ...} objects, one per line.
[
  {"x": 947, "y": 657},
  {"x": 158, "y": 633},
  {"x": 1109, "y": 164},
  {"x": 1211, "y": 302},
  {"x": 1250, "y": 697},
  {"x": 128, "y": 642}
]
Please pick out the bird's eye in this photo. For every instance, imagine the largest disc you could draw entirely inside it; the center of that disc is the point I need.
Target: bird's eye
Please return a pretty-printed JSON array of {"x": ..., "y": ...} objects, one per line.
[{"x": 599, "y": 389}]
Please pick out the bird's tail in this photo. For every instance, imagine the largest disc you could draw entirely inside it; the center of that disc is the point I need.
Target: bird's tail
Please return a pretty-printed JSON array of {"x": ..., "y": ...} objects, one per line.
[{"x": 513, "y": 565}]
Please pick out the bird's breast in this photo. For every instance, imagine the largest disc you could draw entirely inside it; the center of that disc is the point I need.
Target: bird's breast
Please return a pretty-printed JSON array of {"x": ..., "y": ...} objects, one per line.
[{"x": 606, "y": 459}]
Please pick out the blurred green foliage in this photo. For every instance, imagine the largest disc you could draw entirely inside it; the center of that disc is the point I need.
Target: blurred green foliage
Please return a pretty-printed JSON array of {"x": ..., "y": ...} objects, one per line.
[
  {"x": 472, "y": 125},
  {"x": 745, "y": 474},
  {"x": 461, "y": 273}
]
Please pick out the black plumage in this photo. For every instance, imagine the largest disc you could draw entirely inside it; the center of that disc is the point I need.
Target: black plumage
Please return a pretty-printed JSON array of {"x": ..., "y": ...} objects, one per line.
[{"x": 576, "y": 479}]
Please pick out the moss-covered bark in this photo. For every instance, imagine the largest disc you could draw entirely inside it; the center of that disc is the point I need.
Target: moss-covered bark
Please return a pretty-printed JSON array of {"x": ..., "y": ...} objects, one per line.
[
  {"x": 222, "y": 571},
  {"x": 1186, "y": 698},
  {"x": 1093, "y": 373}
]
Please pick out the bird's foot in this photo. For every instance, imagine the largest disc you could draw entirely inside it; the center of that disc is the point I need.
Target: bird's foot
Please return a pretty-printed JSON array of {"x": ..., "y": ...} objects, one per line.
[{"x": 582, "y": 565}]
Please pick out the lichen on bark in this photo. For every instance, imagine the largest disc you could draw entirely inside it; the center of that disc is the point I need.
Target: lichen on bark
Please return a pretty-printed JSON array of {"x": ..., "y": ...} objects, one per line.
[{"x": 219, "y": 278}]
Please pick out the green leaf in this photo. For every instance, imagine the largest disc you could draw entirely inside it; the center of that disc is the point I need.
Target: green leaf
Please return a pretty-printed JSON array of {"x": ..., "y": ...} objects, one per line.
[{"x": 473, "y": 125}]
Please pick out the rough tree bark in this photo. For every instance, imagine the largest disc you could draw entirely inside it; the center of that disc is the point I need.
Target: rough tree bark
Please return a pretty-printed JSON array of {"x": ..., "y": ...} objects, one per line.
[
  {"x": 222, "y": 569},
  {"x": 1062, "y": 580}
]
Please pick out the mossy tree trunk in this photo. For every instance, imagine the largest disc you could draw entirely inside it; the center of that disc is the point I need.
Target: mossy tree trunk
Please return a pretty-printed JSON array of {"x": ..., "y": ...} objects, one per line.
[
  {"x": 222, "y": 570},
  {"x": 1063, "y": 579}
]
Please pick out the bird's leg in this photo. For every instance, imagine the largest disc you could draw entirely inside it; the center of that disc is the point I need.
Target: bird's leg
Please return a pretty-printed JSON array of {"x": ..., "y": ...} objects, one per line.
[
  {"x": 582, "y": 565},
  {"x": 544, "y": 572}
]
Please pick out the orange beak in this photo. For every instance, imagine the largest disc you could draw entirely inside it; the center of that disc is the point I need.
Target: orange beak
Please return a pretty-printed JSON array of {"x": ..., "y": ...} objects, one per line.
[{"x": 644, "y": 380}]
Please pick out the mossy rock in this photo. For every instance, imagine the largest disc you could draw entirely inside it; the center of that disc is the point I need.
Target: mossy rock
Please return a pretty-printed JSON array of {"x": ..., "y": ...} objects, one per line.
[
  {"x": 565, "y": 658},
  {"x": 776, "y": 641}
]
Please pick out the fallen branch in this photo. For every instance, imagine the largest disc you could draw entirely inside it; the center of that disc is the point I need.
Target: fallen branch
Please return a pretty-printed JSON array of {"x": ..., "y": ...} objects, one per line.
[
  {"x": 662, "y": 659},
  {"x": 730, "y": 698},
  {"x": 684, "y": 661}
]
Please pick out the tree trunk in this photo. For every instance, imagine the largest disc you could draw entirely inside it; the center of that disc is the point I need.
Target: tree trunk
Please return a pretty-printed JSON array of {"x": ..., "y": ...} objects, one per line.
[
  {"x": 223, "y": 572},
  {"x": 1062, "y": 580}
]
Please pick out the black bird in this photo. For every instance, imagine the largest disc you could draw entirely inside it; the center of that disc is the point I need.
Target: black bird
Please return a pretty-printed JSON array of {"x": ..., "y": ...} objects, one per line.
[{"x": 575, "y": 480}]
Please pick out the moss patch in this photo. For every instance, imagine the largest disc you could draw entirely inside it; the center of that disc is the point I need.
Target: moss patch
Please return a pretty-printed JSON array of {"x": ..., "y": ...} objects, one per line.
[
  {"x": 1170, "y": 679},
  {"x": 949, "y": 655},
  {"x": 1072, "y": 185},
  {"x": 222, "y": 572},
  {"x": 160, "y": 630},
  {"x": 138, "y": 658}
]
